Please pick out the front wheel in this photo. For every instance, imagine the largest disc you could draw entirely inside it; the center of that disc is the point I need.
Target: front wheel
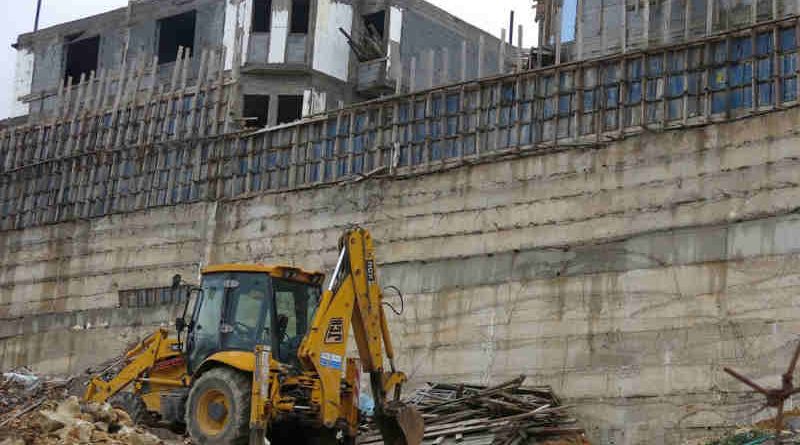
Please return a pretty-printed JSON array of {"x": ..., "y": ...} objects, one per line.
[
  {"x": 132, "y": 404},
  {"x": 218, "y": 408}
]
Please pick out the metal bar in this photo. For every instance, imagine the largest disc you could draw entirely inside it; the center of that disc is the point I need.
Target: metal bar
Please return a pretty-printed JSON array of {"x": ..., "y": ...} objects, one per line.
[
  {"x": 746, "y": 381},
  {"x": 337, "y": 269}
]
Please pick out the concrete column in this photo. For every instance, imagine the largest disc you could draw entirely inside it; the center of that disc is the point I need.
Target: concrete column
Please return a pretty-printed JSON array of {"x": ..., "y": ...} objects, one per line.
[
  {"x": 398, "y": 82},
  {"x": 445, "y": 78},
  {"x": 687, "y": 20},
  {"x": 579, "y": 30},
  {"x": 603, "y": 33},
  {"x": 501, "y": 53},
  {"x": 520, "y": 46},
  {"x": 272, "y": 114},
  {"x": 542, "y": 42},
  {"x": 665, "y": 37},
  {"x": 709, "y": 16},
  {"x": 412, "y": 77},
  {"x": 430, "y": 65},
  {"x": 481, "y": 52},
  {"x": 623, "y": 30},
  {"x": 646, "y": 30},
  {"x": 464, "y": 60}
]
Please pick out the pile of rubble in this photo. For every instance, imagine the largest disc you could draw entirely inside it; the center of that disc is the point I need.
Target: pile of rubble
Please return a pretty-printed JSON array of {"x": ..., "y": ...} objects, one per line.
[
  {"x": 22, "y": 391},
  {"x": 508, "y": 413},
  {"x": 36, "y": 410},
  {"x": 70, "y": 422}
]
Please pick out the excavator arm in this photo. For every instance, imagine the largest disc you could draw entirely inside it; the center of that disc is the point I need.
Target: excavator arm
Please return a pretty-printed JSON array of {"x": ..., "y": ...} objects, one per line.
[
  {"x": 353, "y": 299},
  {"x": 157, "y": 351}
]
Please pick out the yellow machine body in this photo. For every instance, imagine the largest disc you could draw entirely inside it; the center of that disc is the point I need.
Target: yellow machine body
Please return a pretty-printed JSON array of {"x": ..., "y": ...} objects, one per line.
[{"x": 316, "y": 387}]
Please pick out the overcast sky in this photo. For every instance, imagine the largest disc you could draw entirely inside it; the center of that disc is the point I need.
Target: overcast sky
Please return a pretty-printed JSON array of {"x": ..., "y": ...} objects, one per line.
[{"x": 17, "y": 16}]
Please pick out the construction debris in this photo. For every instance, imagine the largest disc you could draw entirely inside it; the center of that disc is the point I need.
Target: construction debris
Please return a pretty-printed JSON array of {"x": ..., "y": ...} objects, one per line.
[
  {"x": 750, "y": 437},
  {"x": 70, "y": 422},
  {"x": 775, "y": 397},
  {"x": 506, "y": 414},
  {"x": 368, "y": 46},
  {"x": 37, "y": 410},
  {"x": 21, "y": 391},
  {"x": 761, "y": 433}
]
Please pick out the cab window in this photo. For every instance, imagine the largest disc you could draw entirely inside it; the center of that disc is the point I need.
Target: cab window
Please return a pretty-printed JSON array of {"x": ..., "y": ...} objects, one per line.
[
  {"x": 248, "y": 312},
  {"x": 204, "y": 337},
  {"x": 296, "y": 304}
]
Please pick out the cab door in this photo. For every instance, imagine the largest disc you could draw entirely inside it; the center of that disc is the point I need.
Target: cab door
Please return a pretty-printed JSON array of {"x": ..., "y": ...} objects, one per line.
[
  {"x": 204, "y": 331},
  {"x": 248, "y": 313},
  {"x": 233, "y": 312}
]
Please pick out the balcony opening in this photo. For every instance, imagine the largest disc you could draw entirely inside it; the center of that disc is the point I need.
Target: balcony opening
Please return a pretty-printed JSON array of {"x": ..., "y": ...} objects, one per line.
[
  {"x": 174, "y": 32},
  {"x": 262, "y": 15},
  {"x": 256, "y": 110},
  {"x": 81, "y": 58},
  {"x": 300, "y": 16},
  {"x": 290, "y": 108},
  {"x": 375, "y": 24}
]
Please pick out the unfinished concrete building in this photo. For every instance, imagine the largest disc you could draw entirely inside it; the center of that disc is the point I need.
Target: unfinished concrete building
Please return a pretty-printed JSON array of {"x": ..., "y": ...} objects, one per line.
[
  {"x": 293, "y": 57},
  {"x": 584, "y": 29},
  {"x": 620, "y": 227}
]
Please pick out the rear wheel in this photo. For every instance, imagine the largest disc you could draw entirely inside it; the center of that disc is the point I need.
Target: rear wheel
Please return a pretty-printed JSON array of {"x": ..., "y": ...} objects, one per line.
[{"x": 218, "y": 409}]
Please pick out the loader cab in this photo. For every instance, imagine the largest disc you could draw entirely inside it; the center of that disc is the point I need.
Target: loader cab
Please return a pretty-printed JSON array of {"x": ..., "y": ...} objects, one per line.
[{"x": 241, "y": 306}]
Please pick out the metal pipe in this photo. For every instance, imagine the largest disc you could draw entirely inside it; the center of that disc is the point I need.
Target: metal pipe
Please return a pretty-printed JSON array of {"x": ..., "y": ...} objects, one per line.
[{"x": 38, "y": 13}]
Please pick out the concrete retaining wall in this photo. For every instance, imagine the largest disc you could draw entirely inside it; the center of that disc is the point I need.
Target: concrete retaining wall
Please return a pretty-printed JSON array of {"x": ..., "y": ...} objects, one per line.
[{"x": 625, "y": 275}]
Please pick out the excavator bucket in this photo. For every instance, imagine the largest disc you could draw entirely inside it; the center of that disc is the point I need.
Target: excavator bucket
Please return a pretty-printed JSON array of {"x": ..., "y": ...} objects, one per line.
[{"x": 400, "y": 424}]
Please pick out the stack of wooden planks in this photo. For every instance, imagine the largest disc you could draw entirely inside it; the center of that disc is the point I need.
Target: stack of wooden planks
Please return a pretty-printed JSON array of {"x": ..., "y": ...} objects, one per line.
[{"x": 505, "y": 414}]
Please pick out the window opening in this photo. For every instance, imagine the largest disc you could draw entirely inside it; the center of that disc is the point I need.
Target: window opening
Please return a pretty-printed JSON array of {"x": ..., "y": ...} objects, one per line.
[
  {"x": 290, "y": 108},
  {"x": 262, "y": 15},
  {"x": 300, "y": 16},
  {"x": 174, "y": 32},
  {"x": 375, "y": 24},
  {"x": 81, "y": 58},
  {"x": 256, "y": 110}
]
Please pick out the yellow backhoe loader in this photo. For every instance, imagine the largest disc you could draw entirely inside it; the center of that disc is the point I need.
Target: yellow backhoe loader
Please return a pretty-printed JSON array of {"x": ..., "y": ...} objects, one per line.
[{"x": 263, "y": 355}]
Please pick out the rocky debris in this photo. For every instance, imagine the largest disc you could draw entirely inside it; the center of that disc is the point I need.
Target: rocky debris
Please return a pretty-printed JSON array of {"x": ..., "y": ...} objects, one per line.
[
  {"x": 70, "y": 422},
  {"x": 38, "y": 410},
  {"x": 509, "y": 413},
  {"x": 760, "y": 433},
  {"x": 22, "y": 391}
]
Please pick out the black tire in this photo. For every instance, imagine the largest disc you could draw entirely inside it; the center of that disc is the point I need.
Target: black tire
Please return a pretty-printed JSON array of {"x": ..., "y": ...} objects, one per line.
[
  {"x": 130, "y": 403},
  {"x": 219, "y": 425}
]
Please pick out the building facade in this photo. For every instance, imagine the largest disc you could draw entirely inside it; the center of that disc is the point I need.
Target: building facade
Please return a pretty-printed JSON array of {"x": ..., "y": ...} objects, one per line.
[{"x": 293, "y": 57}]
